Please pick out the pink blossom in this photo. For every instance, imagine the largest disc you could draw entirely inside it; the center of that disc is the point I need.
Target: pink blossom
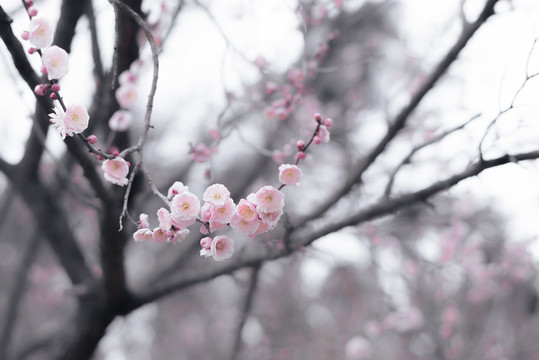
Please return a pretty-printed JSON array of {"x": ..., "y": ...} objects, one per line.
[
  {"x": 177, "y": 188},
  {"x": 323, "y": 132},
  {"x": 206, "y": 242},
  {"x": 290, "y": 174},
  {"x": 215, "y": 225},
  {"x": 358, "y": 348},
  {"x": 116, "y": 171},
  {"x": 159, "y": 235},
  {"x": 223, "y": 213},
  {"x": 201, "y": 153},
  {"x": 58, "y": 121},
  {"x": 178, "y": 236},
  {"x": 185, "y": 206},
  {"x": 182, "y": 224},
  {"x": 205, "y": 212},
  {"x": 143, "y": 221},
  {"x": 243, "y": 226},
  {"x": 55, "y": 60},
  {"x": 40, "y": 89},
  {"x": 222, "y": 248},
  {"x": 126, "y": 95},
  {"x": 127, "y": 77},
  {"x": 40, "y": 33},
  {"x": 271, "y": 219},
  {"x": 246, "y": 210},
  {"x": 164, "y": 219},
  {"x": 216, "y": 194},
  {"x": 76, "y": 119},
  {"x": 121, "y": 120},
  {"x": 143, "y": 234},
  {"x": 262, "y": 228},
  {"x": 269, "y": 199},
  {"x": 214, "y": 133}
]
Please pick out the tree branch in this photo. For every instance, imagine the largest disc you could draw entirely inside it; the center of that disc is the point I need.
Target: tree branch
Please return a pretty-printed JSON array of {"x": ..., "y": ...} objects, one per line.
[
  {"x": 400, "y": 120},
  {"x": 377, "y": 210},
  {"x": 19, "y": 285}
]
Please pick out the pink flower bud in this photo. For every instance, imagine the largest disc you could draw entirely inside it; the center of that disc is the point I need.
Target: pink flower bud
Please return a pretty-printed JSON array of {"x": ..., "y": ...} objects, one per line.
[
  {"x": 328, "y": 123},
  {"x": 55, "y": 87},
  {"x": 317, "y": 117},
  {"x": 206, "y": 242},
  {"x": 25, "y": 35},
  {"x": 32, "y": 11},
  {"x": 300, "y": 144},
  {"x": 317, "y": 140},
  {"x": 115, "y": 153},
  {"x": 40, "y": 89},
  {"x": 53, "y": 96},
  {"x": 44, "y": 70},
  {"x": 31, "y": 50},
  {"x": 99, "y": 157},
  {"x": 92, "y": 139},
  {"x": 301, "y": 155}
]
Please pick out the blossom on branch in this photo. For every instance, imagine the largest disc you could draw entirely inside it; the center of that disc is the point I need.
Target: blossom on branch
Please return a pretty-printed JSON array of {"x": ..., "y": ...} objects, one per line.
[
  {"x": 290, "y": 174},
  {"x": 185, "y": 207},
  {"x": 116, "y": 171},
  {"x": 55, "y": 60},
  {"x": 222, "y": 248},
  {"x": 40, "y": 33}
]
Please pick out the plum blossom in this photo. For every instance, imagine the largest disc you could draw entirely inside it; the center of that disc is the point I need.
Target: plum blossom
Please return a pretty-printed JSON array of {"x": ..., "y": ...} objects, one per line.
[
  {"x": 76, "y": 119},
  {"x": 164, "y": 219},
  {"x": 126, "y": 95},
  {"x": 185, "y": 206},
  {"x": 58, "y": 121},
  {"x": 222, "y": 248},
  {"x": 244, "y": 227},
  {"x": 222, "y": 213},
  {"x": 178, "y": 236},
  {"x": 143, "y": 221},
  {"x": 290, "y": 174},
  {"x": 55, "y": 60},
  {"x": 271, "y": 219},
  {"x": 40, "y": 33},
  {"x": 159, "y": 235},
  {"x": 246, "y": 210},
  {"x": 269, "y": 199},
  {"x": 143, "y": 234},
  {"x": 216, "y": 194},
  {"x": 177, "y": 188},
  {"x": 116, "y": 171},
  {"x": 121, "y": 120}
]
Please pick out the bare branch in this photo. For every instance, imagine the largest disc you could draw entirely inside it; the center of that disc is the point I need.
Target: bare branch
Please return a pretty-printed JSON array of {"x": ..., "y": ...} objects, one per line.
[
  {"x": 408, "y": 158},
  {"x": 400, "y": 120}
]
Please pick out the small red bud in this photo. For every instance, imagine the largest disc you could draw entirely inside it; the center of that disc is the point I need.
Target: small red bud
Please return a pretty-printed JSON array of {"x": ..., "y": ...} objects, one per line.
[
  {"x": 301, "y": 155},
  {"x": 31, "y": 50},
  {"x": 328, "y": 123},
  {"x": 32, "y": 11},
  {"x": 44, "y": 70},
  {"x": 300, "y": 144},
  {"x": 92, "y": 139},
  {"x": 40, "y": 89},
  {"x": 53, "y": 96},
  {"x": 99, "y": 157},
  {"x": 317, "y": 117},
  {"x": 25, "y": 35},
  {"x": 55, "y": 87},
  {"x": 115, "y": 153},
  {"x": 317, "y": 140}
]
